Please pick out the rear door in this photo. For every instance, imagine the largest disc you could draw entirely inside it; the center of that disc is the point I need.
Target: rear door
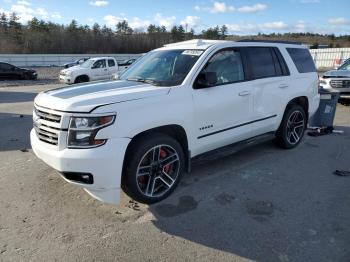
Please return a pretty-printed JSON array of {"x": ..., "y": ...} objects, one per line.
[
  {"x": 2, "y": 71},
  {"x": 112, "y": 67},
  {"x": 269, "y": 75},
  {"x": 7, "y": 71}
]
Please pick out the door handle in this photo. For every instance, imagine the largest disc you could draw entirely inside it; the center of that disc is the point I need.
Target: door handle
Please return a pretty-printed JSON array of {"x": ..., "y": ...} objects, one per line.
[
  {"x": 244, "y": 93},
  {"x": 283, "y": 86},
  {"x": 105, "y": 69}
]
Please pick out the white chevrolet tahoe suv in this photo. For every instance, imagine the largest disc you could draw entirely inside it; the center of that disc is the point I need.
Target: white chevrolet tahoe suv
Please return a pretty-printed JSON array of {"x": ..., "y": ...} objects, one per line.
[
  {"x": 140, "y": 133},
  {"x": 98, "y": 68}
]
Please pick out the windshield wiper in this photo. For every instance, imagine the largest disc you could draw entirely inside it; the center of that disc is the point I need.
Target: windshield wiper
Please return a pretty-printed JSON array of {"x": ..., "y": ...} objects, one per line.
[{"x": 144, "y": 80}]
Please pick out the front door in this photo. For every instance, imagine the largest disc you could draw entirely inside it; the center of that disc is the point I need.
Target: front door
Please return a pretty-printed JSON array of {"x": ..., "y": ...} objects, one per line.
[
  {"x": 99, "y": 70},
  {"x": 223, "y": 110}
]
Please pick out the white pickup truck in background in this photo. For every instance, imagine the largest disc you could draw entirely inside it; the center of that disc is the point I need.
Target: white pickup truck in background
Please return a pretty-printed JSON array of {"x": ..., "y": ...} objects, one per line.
[{"x": 98, "y": 68}]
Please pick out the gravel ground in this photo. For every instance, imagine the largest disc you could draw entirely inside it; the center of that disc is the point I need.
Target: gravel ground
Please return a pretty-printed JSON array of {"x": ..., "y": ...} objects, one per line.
[
  {"x": 46, "y": 75},
  {"x": 262, "y": 203}
]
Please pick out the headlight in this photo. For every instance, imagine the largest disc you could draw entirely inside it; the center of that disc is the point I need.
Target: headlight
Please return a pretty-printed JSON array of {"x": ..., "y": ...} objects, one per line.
[
  {"x": 323, "y": 82},
  {"x": 82, "y": 131}
]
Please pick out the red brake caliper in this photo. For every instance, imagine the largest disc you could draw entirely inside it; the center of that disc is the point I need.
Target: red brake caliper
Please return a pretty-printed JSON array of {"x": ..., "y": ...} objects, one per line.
[{"x": 163, "y": 155}]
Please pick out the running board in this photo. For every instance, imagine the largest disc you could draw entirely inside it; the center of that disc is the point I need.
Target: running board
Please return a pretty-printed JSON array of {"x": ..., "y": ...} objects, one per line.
[{"x": 230, "y": 149}]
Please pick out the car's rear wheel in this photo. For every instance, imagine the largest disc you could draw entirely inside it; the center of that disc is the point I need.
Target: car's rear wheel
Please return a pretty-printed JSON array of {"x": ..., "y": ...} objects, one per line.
[
  {"x": 153, "y": 169},
  {"x": 292, "y": 128}
]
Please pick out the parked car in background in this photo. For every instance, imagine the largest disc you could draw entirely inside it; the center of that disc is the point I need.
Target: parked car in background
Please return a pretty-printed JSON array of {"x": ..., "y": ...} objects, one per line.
[
  {"x": 76, "y": 62},
  {"x": 338, "y": 79},
  {"x": 8, "y": 71},
  {"x": 177, "y": 102},
  {"x": 98, "y": 68},
  {"x": 125, "y": 64}
]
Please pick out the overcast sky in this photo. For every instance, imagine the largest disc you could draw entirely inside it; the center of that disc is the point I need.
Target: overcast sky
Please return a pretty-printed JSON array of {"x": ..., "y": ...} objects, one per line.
[{"x": 241, "y": 17}]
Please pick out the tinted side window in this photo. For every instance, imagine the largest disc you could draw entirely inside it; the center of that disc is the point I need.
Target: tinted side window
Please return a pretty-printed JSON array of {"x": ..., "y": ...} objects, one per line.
[
  {"x": 100, "y": 64},
  {"x": 261, "y": 62},
  {"x": 227, "y": 64},
  {"x": 302, "y": 59},
  {"x": 111, "y": 63}
]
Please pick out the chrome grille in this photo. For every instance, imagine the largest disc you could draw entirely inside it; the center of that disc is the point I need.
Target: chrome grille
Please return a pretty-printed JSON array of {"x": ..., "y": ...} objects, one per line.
[
  {"x": 45, "y": 135},
  {"x": 340, "y": 83},
  {"x": 48, "y": 116},
  {"x": 47, "y": 125}
]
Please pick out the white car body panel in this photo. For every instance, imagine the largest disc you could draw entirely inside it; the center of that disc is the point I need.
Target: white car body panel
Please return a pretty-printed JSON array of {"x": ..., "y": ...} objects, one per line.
[
  {"x": 140, "y": 107},
  {"x": 69, "y": 75}
]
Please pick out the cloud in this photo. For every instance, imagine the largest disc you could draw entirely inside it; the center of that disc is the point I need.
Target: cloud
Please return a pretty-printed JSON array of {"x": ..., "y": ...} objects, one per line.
[
  {"x": 338, "y": 21},
  {"x": 168, "y": 22},
  {"x": 98, "y": 3},
  {"x": 56, "y": 15},
  {"x": 191, "y": 21},
  {"x": 42, "y": 12},
  {"x": 274, "y": 25},
  {"x": 252, "y": 9},
  {"x": 252, "y": 28},
  {"x": 24, "y": 3},
  {"x": 26, "y": 12},
  {"x": 112, "y": 20},
  {"x": 138, "y": 24},
  {"x": 222, "y": 7},
  {"x": 135, "y": 23}
]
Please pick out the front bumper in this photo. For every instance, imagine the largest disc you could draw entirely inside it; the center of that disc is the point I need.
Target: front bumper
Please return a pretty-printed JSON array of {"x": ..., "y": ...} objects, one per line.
[
  {"x": 344, "y": 92},
  {"x": 105, "y": 163},
  {"x": 66, "y": 79}
]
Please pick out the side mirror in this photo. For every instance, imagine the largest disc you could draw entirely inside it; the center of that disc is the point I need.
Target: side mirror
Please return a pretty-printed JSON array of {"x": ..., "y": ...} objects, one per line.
[{"x": 205, "y": 80}]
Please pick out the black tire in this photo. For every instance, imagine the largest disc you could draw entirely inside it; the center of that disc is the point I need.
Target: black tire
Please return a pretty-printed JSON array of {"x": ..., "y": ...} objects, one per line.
[
  {"x": 81, "y": 79},
  {"x": 285, "y": 137},
  {"x": 137, "y": 153}
]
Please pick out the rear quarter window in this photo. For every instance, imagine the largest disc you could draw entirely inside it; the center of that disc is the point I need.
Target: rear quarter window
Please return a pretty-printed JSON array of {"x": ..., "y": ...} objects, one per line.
[{"x": 302, "y": 59}]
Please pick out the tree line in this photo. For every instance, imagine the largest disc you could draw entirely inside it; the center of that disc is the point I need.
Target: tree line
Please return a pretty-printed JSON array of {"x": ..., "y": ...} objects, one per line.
[{"x": 39, "y": 36}]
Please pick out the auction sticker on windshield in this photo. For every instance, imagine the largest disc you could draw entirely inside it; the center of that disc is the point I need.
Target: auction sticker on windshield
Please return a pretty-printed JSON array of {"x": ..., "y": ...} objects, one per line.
[{"x": 192, "y": 52}]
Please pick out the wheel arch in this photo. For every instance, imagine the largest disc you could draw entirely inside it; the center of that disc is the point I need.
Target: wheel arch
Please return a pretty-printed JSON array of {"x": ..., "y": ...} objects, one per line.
[
  {"x": 174, "y": 130},
  {"x": 302, "y": 101},
  {"x": 83, "y": 76}
]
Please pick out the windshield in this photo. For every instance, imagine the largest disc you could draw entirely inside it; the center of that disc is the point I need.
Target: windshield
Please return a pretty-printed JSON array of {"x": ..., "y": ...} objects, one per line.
[
  {"x": 345, "y": 66},
  {"x": 163, "y": 67},
  {"x": 87, "y": 64}
]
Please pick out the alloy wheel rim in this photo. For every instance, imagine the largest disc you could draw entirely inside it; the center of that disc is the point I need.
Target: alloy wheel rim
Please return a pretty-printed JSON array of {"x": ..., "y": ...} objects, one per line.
[
  {"x": 157, "y": 171},
  {"x": 295, "y": 127}
]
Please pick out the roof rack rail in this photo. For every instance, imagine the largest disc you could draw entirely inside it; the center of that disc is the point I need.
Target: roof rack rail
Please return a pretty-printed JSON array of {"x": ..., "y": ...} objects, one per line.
[{"x": 271, "y": 41}]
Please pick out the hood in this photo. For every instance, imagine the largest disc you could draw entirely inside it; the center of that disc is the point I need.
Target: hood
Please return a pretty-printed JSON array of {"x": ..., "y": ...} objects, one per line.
[
  {"x": 27, "y": 70},
  {"x": 84, "y": 98},
  {"x": 73, "y": 68},
  {"x": 337, "y": 73}
]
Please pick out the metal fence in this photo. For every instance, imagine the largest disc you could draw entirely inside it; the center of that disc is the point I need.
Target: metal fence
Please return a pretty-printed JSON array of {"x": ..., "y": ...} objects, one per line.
[
  {"x": 329, "y": 57},
  {"x": 27, "y": 60},
  {"x": 324, "y": 58}
]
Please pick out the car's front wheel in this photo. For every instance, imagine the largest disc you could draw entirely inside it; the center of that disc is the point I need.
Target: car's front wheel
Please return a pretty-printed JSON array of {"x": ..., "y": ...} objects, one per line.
[
  {"x": 292, "y": 128},
  {"x": 153, "y": 169}
]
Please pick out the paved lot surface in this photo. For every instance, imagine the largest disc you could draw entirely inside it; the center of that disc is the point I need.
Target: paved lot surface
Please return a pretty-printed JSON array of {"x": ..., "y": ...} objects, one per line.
[{"x": 262, "y": 203}]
